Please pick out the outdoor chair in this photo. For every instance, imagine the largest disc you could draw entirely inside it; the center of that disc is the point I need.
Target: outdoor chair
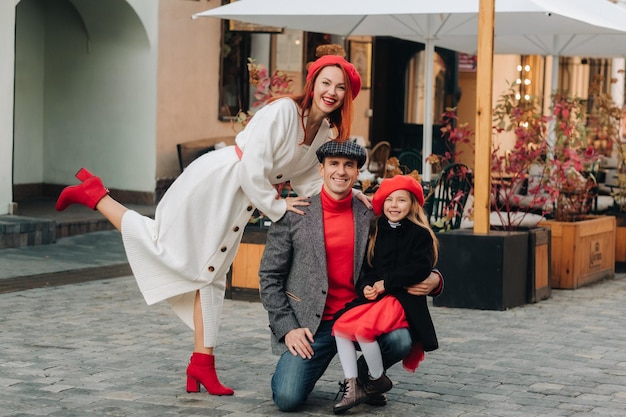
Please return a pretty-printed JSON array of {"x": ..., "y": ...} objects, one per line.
[
  {"x": 410, "y": 159},
  {"x": 444, "y": 205},
  {"x": 188, "y": 151},
  {"x": 378, "y": 156}
]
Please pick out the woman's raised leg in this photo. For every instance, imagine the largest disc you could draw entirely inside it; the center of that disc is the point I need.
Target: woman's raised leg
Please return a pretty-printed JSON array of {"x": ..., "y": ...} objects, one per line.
[
  {"x": 112, "y": 210},
  {"x": 92, "y": 193}
]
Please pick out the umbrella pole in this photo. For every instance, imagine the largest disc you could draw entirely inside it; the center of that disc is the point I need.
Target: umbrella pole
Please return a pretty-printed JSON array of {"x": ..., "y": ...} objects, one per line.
[
  {"x": 484, "y": 98},
  {"x": 427, "y": 134}
]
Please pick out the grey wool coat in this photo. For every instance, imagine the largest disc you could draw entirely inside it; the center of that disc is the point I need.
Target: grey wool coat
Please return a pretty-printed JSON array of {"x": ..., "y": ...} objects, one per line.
[{"x": 293, "y": 272}]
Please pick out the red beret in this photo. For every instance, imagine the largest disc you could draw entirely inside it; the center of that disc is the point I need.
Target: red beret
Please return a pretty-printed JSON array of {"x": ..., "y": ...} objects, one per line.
[
  {"x": 399, "y": 182},
  {"x": 327, "y": 60}
]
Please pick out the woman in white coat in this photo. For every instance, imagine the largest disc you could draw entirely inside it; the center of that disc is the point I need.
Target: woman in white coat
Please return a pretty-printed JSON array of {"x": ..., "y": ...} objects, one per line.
[{"x": 184, "y": 254}]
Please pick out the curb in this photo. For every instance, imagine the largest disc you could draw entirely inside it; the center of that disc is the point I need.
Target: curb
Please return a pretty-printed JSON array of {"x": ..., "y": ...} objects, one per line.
[{"x": 74, "y": 276}]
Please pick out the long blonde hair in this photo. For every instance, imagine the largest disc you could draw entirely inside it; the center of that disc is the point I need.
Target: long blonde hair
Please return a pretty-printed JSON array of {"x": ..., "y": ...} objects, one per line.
[{"x": 416, "y": 215}]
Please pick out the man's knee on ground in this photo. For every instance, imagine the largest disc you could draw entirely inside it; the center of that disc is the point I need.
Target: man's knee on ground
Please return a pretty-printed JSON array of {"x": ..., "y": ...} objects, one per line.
[{"x": 288, "y": 401}]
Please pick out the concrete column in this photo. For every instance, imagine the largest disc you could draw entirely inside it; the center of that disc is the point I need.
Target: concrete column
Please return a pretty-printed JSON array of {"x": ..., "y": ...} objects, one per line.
[
  {"x": 7, "y": 52},
  {"x": 617, "y": 88}
]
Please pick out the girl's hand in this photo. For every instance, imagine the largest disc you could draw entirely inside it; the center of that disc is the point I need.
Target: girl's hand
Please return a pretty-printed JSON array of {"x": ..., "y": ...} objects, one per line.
[
  {"x": 369, "y": 292},
  {"x": 379, "y": 287},
  {"x": 292, "y": 202}
]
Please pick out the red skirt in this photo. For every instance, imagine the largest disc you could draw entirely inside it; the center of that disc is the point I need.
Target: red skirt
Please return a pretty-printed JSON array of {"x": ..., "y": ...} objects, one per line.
[{"x": 368, "y": 321}]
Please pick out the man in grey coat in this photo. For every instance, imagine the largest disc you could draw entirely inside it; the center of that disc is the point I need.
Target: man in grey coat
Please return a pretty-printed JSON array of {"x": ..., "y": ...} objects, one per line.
[{"x": 308, "y": 271}]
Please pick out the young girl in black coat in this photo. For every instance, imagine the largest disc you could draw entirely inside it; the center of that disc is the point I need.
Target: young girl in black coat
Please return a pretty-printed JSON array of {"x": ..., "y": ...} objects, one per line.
[{"x": 402, "y": 251}]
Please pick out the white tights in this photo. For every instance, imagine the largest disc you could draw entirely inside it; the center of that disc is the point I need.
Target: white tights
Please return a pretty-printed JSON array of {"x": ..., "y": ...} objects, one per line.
[{"x": 348, "y": 357}]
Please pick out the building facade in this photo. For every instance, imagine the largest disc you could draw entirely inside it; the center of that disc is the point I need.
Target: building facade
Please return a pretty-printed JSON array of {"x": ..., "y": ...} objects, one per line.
[{"x": 114, "y": 86}]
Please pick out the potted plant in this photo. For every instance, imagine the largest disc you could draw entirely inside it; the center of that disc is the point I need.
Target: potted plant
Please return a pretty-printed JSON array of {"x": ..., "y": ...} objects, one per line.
[
  {"x": 517, "y": 173},
  {"x": 519, "y": 200},
  {"x": 583, "y": 246},
  {"x": 499, "y": 270},
  {"x": 605, "y": 120}
]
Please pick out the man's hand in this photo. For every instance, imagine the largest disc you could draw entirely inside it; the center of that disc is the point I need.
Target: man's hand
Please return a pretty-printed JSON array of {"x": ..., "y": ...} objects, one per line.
[
  {"x": 298, "y": 341},
  {"x": 425, "y": 287}
]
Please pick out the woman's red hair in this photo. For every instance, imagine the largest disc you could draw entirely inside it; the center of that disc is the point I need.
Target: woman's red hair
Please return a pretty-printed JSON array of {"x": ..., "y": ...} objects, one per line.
[{"x": 340, "y": 119}]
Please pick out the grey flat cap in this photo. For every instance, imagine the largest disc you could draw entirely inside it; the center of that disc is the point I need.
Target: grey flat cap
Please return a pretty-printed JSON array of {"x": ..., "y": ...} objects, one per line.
[{"x": 347, "y": 149}]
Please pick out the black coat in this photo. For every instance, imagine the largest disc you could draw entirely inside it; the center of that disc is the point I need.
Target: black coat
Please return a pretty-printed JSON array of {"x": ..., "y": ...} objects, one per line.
[{"x": 403, "y": 256}]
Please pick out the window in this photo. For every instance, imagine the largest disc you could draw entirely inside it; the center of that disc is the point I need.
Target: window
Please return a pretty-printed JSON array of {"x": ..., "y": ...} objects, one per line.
[
  {"x": 234, "y": 91},
  {"x": 414, "y": 98}
]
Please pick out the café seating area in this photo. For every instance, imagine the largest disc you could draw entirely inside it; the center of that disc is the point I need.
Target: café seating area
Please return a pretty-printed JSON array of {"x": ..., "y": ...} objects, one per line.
[{"x": 449, "y": 196}]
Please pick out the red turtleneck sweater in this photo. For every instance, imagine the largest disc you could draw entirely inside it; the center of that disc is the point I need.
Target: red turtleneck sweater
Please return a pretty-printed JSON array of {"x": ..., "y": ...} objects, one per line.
[{"x": 339, "y": 242}]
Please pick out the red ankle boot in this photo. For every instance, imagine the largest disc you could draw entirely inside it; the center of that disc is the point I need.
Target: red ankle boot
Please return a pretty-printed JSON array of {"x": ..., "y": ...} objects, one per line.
[
  {"x": 83, "y": 175},
  {"x": 201, "y": 370},
  {"x": 89, "y": 193}
]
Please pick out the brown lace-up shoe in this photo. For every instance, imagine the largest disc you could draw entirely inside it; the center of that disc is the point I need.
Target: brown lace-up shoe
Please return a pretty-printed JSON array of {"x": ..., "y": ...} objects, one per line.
[
  {"x": 353, "y": 395},
  {"x": 377, "y": 400},
  {"x": 378, "y": 386}
]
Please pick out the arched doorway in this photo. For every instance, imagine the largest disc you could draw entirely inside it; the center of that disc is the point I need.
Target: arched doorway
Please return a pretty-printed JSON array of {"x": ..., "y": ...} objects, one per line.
[{"x": 85, "y": 93}]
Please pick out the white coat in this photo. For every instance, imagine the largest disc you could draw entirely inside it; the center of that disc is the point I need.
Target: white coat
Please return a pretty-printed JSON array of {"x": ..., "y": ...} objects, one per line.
[{"x": 198, "y": 224}]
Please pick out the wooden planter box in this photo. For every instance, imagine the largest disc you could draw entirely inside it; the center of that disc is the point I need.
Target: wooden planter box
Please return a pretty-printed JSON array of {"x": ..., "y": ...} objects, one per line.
[
  {"x": 620, "y": 245},
  {"x": 242, "y": 282},
  {"x": 539, "y": 253},
  {"x": 620, "y": 240},
  {"x": 583, "y": 252}
]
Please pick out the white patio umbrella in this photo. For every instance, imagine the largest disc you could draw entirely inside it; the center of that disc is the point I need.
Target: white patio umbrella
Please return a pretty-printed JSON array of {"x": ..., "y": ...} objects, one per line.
[
  {"x": 592, "y": 45},
  {"x": 448, "y": 23}
]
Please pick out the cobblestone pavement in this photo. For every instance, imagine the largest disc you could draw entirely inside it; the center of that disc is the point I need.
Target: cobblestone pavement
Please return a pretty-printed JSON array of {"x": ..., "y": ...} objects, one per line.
[{"x": 96, "y": 349}]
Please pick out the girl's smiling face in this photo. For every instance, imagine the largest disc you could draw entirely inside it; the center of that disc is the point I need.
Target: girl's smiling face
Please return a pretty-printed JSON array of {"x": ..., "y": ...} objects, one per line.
[
  {"x": 397, "y": 205},
  {"x": 329, "y": 90}
]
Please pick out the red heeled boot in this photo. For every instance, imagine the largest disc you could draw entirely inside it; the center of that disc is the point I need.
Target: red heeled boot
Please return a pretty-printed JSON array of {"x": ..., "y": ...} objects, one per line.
[
  {"x": 83, "y": 175},
  {"x": 89, "y": 193},
  {"x": 201, "y": 370}
]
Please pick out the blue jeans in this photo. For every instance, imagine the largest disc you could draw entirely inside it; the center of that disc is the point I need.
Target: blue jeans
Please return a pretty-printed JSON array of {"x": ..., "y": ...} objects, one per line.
[{"x": 294, "y": 377}]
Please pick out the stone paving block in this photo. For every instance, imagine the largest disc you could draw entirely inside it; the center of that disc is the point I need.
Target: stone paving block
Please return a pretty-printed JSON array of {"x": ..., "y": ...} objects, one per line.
[
  {"x": 562, "y": 356},
  {"x": 578, "y": 408}
]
